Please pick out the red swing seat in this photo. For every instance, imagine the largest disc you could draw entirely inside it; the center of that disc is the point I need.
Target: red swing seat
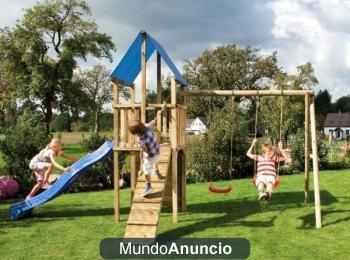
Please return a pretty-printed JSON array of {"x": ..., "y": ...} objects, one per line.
[{"x": 213, "y": 189}]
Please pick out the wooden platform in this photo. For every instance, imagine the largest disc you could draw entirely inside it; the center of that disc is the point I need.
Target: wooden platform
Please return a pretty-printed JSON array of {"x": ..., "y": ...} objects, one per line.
[{"x": 145, "y": 211}]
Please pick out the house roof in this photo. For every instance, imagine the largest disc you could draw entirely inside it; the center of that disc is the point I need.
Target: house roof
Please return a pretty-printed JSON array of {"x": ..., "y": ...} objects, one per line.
[
  {"x": 189, "y": 122},
  {"x": 337, "y": 120},
  {"x": 203, "y": 119},
  {"x": 130, "y": 65}
]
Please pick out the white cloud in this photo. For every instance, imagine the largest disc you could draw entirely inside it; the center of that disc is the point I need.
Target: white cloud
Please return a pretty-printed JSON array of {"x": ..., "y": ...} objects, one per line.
[{"x": 314, "y": 31}]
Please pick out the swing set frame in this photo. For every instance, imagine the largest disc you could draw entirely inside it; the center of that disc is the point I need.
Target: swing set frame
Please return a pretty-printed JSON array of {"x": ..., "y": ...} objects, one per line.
[{"x": 309, "y": 126}]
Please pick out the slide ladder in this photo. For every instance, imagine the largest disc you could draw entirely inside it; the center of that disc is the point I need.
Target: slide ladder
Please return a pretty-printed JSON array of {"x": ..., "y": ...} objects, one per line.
[{"x": 145, "y": 212}]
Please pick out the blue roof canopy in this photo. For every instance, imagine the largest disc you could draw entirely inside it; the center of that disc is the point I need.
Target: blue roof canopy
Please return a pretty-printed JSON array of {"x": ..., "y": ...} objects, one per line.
[{"x": 130, "y": 66}]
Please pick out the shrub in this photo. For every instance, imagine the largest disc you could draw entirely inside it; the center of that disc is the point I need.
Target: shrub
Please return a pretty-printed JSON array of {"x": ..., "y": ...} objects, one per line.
[
  {"x": 99, "y": 176},
  {"x": 21, "y": 144},
  {"x": 8, "y": 188},
  {"x": 298, "y": 151},
  {"x": 61, "y": 123},
  {"x": 208, "y": 155}
]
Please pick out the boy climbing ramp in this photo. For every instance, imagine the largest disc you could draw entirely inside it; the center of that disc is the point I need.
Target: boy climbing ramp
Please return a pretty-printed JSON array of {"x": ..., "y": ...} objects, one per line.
[{"x": 150, "y": 149}]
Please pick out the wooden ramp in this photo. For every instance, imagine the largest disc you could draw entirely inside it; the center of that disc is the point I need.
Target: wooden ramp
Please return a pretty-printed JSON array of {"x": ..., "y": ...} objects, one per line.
[{"x": 145, "y": 212}]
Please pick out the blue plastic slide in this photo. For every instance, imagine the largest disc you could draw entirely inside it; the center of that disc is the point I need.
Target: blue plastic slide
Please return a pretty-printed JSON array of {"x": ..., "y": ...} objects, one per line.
[{"x": 21, "y": 209}]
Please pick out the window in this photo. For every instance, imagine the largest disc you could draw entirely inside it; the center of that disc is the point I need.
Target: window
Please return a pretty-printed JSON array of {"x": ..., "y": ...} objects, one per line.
[{"x": 346, "y": 132}]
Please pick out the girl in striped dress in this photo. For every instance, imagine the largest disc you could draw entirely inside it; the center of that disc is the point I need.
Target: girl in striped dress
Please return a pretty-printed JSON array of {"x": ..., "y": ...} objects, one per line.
[{"x": 266, "y": 167}]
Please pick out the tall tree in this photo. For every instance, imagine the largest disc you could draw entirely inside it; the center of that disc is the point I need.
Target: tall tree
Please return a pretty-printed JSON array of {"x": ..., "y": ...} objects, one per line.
[
  {"x": 323, "y": 105},
  {"x": 96, "y": 83},
  {"x": 39, "y": 55},
  {"x": 227, "y": 67},
  {"x": 342, "y": 104}
]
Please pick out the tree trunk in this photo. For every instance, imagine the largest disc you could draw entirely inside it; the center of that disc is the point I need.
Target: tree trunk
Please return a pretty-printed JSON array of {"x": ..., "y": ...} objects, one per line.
[
  {"x": 96, "y": 121},
  {"x": 48, "y": 114}
]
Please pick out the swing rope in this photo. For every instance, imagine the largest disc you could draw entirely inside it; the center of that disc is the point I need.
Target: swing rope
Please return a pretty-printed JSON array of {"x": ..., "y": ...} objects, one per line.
[
  {"x": 257, "y": 104},
  {"x": 277, "y": 182},
  {"x": 211, "y": 187}
]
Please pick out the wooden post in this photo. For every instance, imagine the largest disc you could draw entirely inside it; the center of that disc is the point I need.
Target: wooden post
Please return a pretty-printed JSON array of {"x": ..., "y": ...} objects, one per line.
[
  {"x": 315, "y": 164},
  {"x": 116, "y": 155},
  {"x": 183, "y": 179},
  {"x": 174, "y": 185},
  {"x": 143, "y": 78},
  {"x": 173, "y": 126},
  {"x": 134, "y": 156},
  {"x": 307, "y": 148},
  {"x": 159, "y": 96}
]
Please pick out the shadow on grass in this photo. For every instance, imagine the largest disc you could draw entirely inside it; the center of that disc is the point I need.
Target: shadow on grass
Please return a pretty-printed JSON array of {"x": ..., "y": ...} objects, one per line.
[
  {"x": 309, "y": 220},
  {"x": 56, "y": 213},
  {"x": 233, "y": 212}
]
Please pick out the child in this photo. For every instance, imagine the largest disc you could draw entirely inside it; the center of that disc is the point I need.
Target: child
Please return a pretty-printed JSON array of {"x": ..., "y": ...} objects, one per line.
[
  {"x": 150, "y": 149},
  {"x": 42, "y": 164},
  {"x": 266, "y": 168}
]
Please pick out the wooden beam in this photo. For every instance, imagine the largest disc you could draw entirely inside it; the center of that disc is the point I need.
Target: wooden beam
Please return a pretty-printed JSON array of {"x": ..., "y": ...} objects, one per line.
[
  {"x": 159, "y": 95},
  {"x": 173, "y": 116},
  {"x": 174, "y": 185},
  {"x": 122, "y": 83},
  {"x": 159, "y": 79},
  {"x": 173, "y": 91},
  {"x": 143, "y": 78},
  {"x": 315, "y": 164},
  {"x": 183, "y": 181},
  {"x": 307, "y": 148},
  {"x": 116, "y": 155},
  {"x": 246, "y": 92}
]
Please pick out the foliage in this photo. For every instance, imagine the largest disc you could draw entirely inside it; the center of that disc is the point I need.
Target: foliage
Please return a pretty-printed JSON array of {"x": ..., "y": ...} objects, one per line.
[
  {"x": 208, "y": 156},
  {"x": 323, "y": 105},
  {"x": 297, "y": 147},
  {"x": 39, "y": 54},
  {"x": 99, "y": 176},
  {"x": 342, "y": 104},
  {"x": 96, "y": 84},
  {"x": 8, "y": 187},
  {"x": 21, "y": 144},
  {"x": 61, "y": 123},
  {"x": 225, "y": 68}
]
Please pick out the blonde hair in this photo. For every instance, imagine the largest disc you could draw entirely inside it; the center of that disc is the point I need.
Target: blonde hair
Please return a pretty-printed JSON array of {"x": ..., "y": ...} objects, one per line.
[
  {"x": 267, "y": 149},
  {"x": 54, "y": 141}
]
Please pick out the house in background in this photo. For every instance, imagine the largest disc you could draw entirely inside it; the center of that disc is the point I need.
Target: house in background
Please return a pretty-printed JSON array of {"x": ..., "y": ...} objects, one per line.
[
  {"x": 337, "y": 124},
  {"x": 197, "y": 125}
]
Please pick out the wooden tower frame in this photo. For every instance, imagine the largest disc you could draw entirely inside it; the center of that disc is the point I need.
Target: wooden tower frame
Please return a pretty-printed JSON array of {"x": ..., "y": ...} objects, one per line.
[{"x": 170, "y": 129}]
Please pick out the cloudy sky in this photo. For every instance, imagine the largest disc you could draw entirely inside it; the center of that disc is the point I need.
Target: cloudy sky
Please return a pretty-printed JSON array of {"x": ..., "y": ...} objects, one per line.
[{"x": 300, "y": 31}]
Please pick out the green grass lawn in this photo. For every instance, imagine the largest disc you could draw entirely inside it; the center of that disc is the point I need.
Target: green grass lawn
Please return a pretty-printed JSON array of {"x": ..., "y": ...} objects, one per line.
[{"x": 72, "y": 226}]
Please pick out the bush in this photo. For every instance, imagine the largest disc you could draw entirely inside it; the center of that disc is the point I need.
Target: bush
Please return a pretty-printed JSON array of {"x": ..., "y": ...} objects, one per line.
[
  {"x": 208, "y": 155},
  {"x": 61, "y": 123},
  {"x": 298, "y": 151},
  {"x": 8, "y": 188},
  {"x": 21, "y": 144},
  {"x": 99, "y": 176}
]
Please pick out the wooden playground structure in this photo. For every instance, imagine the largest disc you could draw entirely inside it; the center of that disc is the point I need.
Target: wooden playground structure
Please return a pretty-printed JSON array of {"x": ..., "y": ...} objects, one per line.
[{"x": 145, "y": 212}]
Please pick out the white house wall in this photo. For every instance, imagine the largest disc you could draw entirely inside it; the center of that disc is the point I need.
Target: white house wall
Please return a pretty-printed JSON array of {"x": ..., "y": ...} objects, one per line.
[{"x": 346, "y": 131}]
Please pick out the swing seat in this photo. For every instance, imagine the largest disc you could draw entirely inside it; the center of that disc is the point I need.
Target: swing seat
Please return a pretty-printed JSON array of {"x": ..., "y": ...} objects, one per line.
[{"x": 217, "y": 190}]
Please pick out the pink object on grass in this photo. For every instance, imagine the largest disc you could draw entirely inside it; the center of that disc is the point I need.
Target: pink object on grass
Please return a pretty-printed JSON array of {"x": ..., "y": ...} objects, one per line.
[{"x": 8, "y": 188}]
